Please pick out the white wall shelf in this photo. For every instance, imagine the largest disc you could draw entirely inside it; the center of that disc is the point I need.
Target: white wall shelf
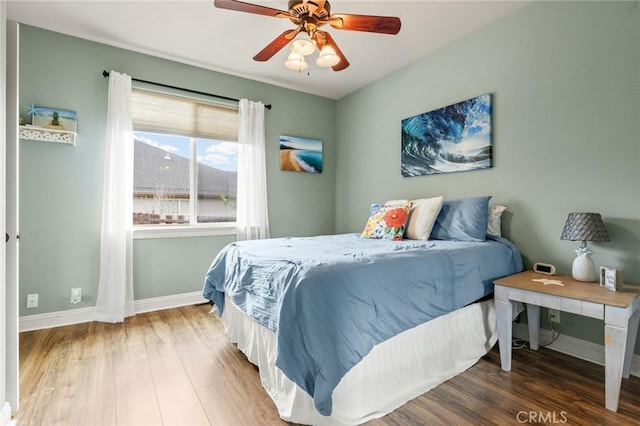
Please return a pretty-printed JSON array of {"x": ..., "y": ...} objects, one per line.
[{"x": 47, "y": 135}]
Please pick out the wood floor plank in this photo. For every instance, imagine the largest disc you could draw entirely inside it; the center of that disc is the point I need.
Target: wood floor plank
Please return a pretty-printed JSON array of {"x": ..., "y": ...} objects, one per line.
[
  {"x": 226, "y": 406},
  {"x": 176, "y": 367},
  {"x": 97, "y": 403},
  {"x": 203, "y": 371},
  {"x": 136, "y": 401},
  {"x": 179, "y": 402}
]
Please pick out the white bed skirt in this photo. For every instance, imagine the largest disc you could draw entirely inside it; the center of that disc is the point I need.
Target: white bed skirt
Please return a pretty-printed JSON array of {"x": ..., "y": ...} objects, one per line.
[{"x": 394, "y": 372}]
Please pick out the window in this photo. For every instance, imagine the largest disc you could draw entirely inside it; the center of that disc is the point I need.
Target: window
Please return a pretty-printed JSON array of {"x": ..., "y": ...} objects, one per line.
[{"x": 185, "y": 161}]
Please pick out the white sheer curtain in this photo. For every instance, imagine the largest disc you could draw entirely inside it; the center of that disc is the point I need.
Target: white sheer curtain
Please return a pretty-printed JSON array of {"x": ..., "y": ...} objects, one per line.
[
  {"x": 252, "y": 218},
  {"x": 115, "y": 286}
]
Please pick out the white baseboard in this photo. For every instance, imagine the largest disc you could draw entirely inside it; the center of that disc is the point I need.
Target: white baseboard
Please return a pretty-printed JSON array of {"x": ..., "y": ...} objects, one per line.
[
  {"x": 578, "y": 348},
  {"x": 5, "y": 416},
  {"x": 77, "y": 316},
  {"x": 167, "y": 302}
]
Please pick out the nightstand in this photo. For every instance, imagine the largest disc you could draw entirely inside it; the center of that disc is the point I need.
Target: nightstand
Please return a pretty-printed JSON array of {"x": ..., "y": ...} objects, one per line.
[{"x": 619, "y": 311}]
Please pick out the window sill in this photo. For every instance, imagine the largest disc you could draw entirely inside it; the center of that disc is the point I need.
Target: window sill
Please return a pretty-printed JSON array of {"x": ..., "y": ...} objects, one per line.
[{"x": 153, "y": 232}]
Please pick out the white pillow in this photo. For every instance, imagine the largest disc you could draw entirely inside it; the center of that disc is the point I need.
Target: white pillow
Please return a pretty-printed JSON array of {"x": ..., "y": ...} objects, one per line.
[
  {"x": 422, "y": 216},
  {"x": 396, "y": 202},
  {"x": 494, "y": 222}
]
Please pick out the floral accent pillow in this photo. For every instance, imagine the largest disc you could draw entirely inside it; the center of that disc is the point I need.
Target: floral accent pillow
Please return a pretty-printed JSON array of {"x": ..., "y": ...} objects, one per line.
[{"x": 387, "y": 221}]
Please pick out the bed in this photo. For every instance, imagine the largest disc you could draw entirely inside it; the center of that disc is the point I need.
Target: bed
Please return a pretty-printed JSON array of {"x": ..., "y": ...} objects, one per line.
[{"x": 345, "y": 329}]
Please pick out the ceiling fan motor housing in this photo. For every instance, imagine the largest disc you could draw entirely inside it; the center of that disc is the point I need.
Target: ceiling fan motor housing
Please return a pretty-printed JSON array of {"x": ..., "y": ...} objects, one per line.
[{"x": 306, "y": 8}]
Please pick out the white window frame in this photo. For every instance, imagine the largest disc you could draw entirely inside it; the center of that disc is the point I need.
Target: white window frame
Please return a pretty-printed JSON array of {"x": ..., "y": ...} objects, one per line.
[
  {"x": 156, "y": 232},
  {"x": 193, "y": 229}
]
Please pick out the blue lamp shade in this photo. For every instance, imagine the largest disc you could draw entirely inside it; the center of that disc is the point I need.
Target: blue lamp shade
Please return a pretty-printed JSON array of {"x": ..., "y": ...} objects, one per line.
[{"x": 584, "y": 227}]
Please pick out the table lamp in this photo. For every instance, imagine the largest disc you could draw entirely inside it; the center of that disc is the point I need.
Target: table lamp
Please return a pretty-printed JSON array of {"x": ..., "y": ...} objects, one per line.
[{"x": 584, "y": 227}]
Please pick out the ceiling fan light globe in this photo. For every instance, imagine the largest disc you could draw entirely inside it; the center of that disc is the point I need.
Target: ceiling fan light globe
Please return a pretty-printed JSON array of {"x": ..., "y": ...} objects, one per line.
[
  {"x": 296, "y": 62},
  {"x": 327, "y": 57},
  {"x": 303, "y": 45}
]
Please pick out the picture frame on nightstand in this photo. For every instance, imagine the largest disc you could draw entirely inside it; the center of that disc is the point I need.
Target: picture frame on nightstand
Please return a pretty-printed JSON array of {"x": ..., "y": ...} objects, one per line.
[{"x": 611, "y": 278}]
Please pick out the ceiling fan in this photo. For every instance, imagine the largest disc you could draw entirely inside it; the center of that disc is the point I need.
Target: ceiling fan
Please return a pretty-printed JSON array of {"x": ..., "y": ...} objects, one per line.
[{"x": 309, "y": 16}]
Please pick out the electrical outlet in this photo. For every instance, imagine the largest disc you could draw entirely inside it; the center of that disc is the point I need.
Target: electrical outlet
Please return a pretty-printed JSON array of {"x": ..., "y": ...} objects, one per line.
[
  {"x": 32, "y": 300},
  {"x": 553, "y": 315},
  {"x": 76, "y": 295}
]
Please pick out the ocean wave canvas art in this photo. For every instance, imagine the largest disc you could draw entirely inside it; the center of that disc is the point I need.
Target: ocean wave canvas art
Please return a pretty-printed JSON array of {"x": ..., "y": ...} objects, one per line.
[
  {"x": 455, "y": 138},
  {"x": 300, "y": 154}
]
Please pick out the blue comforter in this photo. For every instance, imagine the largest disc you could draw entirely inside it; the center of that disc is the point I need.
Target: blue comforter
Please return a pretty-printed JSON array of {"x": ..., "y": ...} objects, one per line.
[{"x": 330, "y": 299}]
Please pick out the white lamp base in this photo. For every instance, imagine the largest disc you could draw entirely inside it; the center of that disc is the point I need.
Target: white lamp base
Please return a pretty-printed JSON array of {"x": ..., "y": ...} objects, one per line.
[{"x": 584, "y": 269}]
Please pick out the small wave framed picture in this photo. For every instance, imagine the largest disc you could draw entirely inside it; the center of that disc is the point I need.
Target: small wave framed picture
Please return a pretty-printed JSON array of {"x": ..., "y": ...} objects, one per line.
[
  {"x": 300, "y": 154},
  {"x": 455, "y": 138}
]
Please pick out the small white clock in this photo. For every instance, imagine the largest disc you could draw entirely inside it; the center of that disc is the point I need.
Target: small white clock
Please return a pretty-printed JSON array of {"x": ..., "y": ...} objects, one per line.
[{"x": 544, "y": 268}]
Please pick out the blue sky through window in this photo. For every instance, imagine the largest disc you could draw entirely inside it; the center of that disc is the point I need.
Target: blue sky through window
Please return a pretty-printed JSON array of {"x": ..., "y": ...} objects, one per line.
[{"x": 218, "y": 154}]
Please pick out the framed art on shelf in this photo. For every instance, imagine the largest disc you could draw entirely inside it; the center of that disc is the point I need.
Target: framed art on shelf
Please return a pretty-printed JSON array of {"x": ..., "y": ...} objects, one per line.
[
  {"x": 611, "y": 278},
  {"x": 53, "y": 118}
]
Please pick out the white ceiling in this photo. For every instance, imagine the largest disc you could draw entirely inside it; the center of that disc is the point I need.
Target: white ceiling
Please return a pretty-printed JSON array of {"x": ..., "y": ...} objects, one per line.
[{"x": 197, "y": 33}]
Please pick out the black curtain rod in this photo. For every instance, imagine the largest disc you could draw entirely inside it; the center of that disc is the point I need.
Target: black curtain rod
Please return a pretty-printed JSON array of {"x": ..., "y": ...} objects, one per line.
[{"x": 105, "y": 74}]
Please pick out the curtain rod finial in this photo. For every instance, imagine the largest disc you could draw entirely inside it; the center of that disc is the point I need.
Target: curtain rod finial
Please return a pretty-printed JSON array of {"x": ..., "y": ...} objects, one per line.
[{"x": 105, "y": 73}]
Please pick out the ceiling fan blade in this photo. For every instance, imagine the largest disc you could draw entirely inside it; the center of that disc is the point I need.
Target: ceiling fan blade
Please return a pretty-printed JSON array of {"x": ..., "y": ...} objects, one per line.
[
  {"x": 241, "y": 6},
  {"x": 276, "y": 45},
  {"x": 367, "y": 23},
  {"x": 343, "y": 59}
]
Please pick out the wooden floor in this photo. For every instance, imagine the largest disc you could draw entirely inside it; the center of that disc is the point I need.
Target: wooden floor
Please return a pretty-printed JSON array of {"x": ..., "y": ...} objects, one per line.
[{"x": 176, "y": 367}]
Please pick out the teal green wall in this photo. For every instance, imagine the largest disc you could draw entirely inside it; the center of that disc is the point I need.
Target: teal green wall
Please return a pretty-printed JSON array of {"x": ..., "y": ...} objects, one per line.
[
  {"x": 565, "y": 79},
  {"x": 61, "y": 185}
]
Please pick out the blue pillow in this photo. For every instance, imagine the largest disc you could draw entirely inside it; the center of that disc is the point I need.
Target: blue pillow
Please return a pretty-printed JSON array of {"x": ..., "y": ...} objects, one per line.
[{"x": 464, "y": 219}]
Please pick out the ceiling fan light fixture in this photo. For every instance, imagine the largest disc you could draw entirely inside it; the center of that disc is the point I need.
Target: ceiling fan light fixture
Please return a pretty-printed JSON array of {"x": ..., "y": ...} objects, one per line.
[
  {"x": 296, "y": 62},
  {"x": 309, "y": 16},
  {"x": 303, "y": 45},
  {"x": 327, "y": 57}
]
